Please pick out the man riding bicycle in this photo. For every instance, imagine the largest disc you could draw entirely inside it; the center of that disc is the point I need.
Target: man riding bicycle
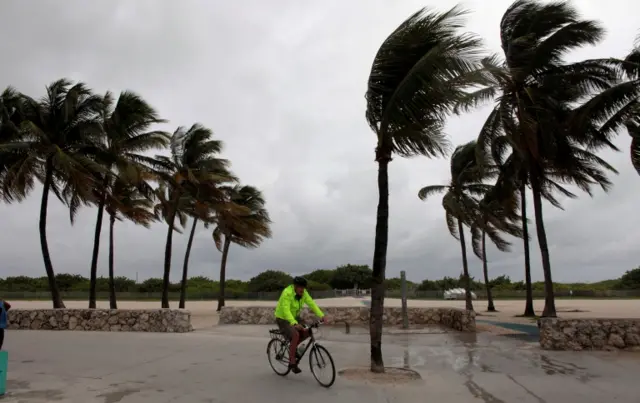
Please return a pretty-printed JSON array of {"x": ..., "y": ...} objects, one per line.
[{"x": 287, "y": 311}]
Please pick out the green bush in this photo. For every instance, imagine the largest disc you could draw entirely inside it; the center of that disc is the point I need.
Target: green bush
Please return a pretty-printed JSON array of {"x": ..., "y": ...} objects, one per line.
[{"x": 269, "y": 283}]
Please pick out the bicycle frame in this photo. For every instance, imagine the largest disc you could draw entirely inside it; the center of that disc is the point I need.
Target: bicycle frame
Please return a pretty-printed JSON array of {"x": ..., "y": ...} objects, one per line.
[{"x": 312, "y": 341}]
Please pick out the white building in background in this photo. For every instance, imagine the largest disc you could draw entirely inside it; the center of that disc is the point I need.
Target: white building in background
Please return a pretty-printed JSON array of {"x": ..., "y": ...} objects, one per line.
[{"x": 457, "y": 293}]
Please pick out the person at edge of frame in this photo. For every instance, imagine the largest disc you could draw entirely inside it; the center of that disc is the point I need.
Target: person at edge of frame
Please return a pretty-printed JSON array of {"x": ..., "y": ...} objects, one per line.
[{"x": 4, "y": 308}]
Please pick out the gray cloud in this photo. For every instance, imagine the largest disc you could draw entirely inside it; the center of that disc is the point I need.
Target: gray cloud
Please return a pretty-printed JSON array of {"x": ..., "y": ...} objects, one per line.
[{"x": 283, "y": 82}]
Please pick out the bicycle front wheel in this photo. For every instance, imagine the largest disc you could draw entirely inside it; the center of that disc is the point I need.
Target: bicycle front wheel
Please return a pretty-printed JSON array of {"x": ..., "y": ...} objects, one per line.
[
  {"x": 278, "y": 354},
  {"x": 322, "y": 367}
]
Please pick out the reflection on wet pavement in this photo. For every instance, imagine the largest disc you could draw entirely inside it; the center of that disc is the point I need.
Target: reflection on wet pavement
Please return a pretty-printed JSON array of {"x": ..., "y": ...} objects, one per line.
[
  {"x": 468, "y": 353},
  {"x": 485, "y": 363}
]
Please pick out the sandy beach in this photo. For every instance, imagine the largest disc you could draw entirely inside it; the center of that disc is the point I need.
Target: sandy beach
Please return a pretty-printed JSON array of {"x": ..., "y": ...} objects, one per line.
[{"x": 205, "y": 315}]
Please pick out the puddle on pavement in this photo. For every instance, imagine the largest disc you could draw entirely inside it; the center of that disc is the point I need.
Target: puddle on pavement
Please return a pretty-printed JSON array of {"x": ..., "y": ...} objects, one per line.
[
  {"x": 390, "y": 331},
  {"x": 46, "y": 395},
  {"x": 435, "y": 348},
  {"x": 118, "y": 395},
  {"x": 555, "y": 367},
  {"x": 392, "y": 375}
]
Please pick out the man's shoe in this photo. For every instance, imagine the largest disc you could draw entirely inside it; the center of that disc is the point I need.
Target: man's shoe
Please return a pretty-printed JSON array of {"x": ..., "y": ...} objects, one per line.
[{"x": 294, "y": 368}]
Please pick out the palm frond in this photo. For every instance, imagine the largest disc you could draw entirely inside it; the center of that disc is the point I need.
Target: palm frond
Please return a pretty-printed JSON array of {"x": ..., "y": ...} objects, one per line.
[
  {"x": 634, "y": 131},
  {"x": 421, "y": 72},
  {"x": 427, "y": 191},
  {"x": 243, "y": 218}
]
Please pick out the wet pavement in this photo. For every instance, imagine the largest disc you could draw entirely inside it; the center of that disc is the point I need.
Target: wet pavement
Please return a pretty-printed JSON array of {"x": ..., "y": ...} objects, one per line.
[{"x": 229, "y": 364}]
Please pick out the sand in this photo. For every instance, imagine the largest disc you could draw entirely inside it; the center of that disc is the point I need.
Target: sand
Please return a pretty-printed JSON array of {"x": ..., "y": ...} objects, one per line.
[{"x": 204, "y": 314}]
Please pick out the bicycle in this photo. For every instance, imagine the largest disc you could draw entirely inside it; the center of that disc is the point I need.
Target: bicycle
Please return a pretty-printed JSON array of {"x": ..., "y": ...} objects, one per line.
[{"x": 279, "y": 345}]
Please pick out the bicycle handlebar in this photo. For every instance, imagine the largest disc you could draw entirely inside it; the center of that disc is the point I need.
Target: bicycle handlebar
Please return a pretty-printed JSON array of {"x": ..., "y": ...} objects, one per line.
[{"x": 313, "y": 325}]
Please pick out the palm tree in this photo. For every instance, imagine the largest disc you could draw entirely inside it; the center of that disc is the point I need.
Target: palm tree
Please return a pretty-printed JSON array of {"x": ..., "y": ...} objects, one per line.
[
  {"x": 56, "y": 138},
  {"x": 248, "y": 228},
  {"x": 13, "y": 184},
  {"x": 125, "y": 124},
  {"x": 493, "y": 145},
  {"x": 632, "y": 70},
  {"x": 185, "y": 265},
  {"x": 199, "y": 210},
  {"x": 634, "y": 131},
  {"x": 418, "y": 76},
  {"x": 459, "y": 202},
  {"x": 194, "y": 161},
  {"x": 496, "y": 215},
  {"x": 563, "y": 111},
  {"x": 169, "y": 207},
  {"x": 125, "y": 200}
]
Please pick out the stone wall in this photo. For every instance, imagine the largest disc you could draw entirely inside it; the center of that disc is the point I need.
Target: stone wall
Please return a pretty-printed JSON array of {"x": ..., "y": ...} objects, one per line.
[
  {"x": 107, "y": 320},
  {"x": 457, "y": 319},
  {"x": 589, "y": 334}
]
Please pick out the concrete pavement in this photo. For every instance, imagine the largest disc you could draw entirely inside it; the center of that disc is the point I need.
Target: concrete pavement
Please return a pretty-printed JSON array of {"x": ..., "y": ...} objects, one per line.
[{"x": 229, "y": 364}]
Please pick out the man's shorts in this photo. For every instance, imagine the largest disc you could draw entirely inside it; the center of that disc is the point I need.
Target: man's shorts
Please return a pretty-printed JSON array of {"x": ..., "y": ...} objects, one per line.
[{"x": 286, "y": 328}]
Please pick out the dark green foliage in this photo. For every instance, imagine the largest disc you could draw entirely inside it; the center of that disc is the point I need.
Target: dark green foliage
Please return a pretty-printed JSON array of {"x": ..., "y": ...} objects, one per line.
[
  {"x": 323, "y": 276},
  {"x": 238, "y": 288},
  {"x": 314, "y": 286},
  {"x": 630, "y": 280},
  {"x": 269, "y": 281},
  {"x": 395, "y": 283},
  {"x": 350, "y": 276}
]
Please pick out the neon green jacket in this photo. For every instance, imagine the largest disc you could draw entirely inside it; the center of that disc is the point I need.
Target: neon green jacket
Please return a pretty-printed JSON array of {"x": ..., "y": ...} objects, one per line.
[{"x": 289, "y": 307}]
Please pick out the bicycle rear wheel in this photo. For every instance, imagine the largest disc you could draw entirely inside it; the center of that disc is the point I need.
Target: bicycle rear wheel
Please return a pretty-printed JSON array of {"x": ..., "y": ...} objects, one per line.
[
  {"x": 278, "y": 354},
  {"x": 322, "y": 366}
]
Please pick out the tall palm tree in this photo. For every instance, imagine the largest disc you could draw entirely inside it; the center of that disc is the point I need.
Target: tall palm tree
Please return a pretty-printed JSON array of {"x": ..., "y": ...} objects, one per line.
[
  {"x": 194, "y": 161},
  {"x": 494, "y": 147},
  {"x": 563, "y": 111},
  {"x": 496, "y": 214},
  {"x": 418, "y": 76},
  {"x": 248, "y": 228},
  {"x": 198, "y": 209},
  {"x": 634, "y": 131},
  {"x": 125, "y": 201},
  {"x": 125, "y": 124},
  {"x": 632, "y": 70},
  {"x": 171, "y": 206},
  {"x": 57, "y": 136},
  {"x": 15, "y": 184},
  {"x": 185, "y": 265},
  {"x": 459, "y": 201}
]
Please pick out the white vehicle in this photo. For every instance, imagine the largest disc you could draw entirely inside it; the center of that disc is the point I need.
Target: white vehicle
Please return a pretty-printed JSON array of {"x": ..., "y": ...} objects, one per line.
[{"x": 457, "y": 293}]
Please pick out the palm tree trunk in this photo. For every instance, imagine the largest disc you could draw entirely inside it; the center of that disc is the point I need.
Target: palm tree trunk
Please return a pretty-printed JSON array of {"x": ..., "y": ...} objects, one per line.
[
  {"x": 379, "y": 262},
  {"x": 185, "y": 266},
  {"x": 465, "y": 269},
  {"x": 48, "y": 266},
  {"x": 485, "y": 269},
  {"x": 223, "y": 271},
  {"x": 113, "y": 304},
  {"x": 167, "y": 255},
  {"x": 549, "y": 298},
  {"x": 528, "y": 308},
  {"x": 96, "y": 247}
]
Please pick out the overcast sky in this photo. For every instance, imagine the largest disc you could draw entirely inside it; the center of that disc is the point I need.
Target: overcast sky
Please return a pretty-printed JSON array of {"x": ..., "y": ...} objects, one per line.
[{"x": 282, "y": 82}]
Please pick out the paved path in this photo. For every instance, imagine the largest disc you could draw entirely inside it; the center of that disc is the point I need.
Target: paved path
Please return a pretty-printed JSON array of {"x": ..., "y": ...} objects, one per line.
[{"x": 228, "y": 364}]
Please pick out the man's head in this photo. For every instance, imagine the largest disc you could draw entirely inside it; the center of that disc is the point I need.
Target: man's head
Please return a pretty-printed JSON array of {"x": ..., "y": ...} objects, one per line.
[{"x": 299, "y": 284}]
